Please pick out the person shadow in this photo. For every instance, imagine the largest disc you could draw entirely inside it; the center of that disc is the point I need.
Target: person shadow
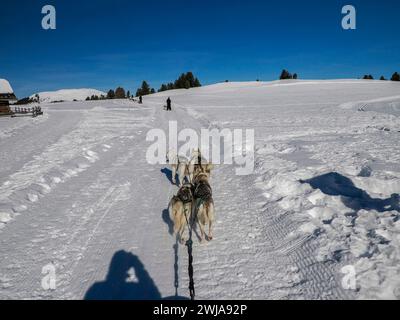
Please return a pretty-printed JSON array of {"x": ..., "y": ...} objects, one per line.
[
  {"x": 335, "y": 184},
  {"x": 118, "y": 284}
]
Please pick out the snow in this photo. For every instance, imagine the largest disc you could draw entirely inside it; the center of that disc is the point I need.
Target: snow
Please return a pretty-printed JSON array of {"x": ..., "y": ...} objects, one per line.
[
  {"x": 68, "y": 95},
  {"x": 76, "y": 191},
  {"x": 5, "y": 86}
]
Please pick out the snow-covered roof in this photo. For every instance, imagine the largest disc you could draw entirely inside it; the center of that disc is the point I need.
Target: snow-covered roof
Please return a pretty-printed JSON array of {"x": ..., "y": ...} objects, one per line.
[{"x": 5, "y": 86}]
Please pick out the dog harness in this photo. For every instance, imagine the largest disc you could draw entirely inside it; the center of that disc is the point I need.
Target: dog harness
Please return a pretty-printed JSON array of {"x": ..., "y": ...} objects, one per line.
[
  {"x": 185, "y": 195},
  {"x": 202, "y": 191}
]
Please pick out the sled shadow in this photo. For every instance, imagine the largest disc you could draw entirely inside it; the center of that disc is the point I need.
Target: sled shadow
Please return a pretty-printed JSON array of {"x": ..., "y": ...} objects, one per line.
[
  {"x": 168, "y": 174},
  {"x": 335, "y": 184}
]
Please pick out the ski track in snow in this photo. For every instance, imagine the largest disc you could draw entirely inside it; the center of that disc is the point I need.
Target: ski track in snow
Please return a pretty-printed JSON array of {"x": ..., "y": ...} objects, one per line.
[{"x": 76, "y": 189}]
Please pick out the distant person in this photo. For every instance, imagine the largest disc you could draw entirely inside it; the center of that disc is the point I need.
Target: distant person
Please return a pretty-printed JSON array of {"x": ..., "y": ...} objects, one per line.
[
  {"x": 169, "y": 104},
  {"x": 140, "y": 99}
]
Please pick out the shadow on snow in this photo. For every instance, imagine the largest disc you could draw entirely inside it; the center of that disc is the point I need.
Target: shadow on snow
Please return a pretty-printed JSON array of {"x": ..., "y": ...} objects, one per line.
[
  {"x": 335, "y": 184},
  {"x": 119, "y": 284}
]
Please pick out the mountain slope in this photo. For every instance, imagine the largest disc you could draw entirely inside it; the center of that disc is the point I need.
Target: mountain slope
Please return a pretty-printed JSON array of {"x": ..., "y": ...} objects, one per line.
[{"x": 68, "y": 95}]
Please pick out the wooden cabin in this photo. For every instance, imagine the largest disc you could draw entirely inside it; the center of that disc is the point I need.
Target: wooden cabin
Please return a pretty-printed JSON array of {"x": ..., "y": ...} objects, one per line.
[{"x": 6, "y": 96}]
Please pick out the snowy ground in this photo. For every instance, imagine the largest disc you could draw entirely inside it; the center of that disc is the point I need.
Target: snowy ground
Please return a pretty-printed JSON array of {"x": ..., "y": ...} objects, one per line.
[{"x": 76, "y": 192}]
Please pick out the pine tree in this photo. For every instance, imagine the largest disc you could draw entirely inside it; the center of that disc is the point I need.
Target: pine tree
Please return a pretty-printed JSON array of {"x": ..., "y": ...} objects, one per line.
[
  {"x": 110, "y": 94},
  {"x": 120, "y": 93},
  {"x": 145, "y": 89},
  {"x": 180, "y": 82},
  {"x": 295, "y": 76},
  {"x": 163, "y": 88},
  {"x": 186, "y": 84},
  {"x": 189, "y": 78},
  {"x": 285, "y": 75},
  {"x": 395, "y": 77},
  {"x": 152, "y": 91},
  {"x": 382, "y": 78},
  {"x": 128, "y": 94},
  {"x": 196, "y": 83}
]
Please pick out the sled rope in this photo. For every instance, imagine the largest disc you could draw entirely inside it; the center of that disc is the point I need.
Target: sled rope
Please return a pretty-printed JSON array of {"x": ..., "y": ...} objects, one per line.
[
  {"x": 176, "y": 281},
  {"x": 189, "y": 245}
]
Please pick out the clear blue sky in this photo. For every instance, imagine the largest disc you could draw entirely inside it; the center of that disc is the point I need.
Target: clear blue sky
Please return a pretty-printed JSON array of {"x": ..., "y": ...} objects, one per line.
[{"x": 103, "y": 44}]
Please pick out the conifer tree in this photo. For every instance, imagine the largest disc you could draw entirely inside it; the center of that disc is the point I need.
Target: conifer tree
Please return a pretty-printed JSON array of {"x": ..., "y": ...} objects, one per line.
[
  {"x": 110, "y": 94},
  {"x": 120, "y": 93}
]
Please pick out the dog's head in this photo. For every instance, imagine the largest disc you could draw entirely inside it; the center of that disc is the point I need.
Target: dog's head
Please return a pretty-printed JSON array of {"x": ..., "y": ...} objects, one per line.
[
  {"x": 207, "y": 168},
  {"x": 202, "y": 177},
  {"x": 185, "y": 193},
  {"x": 203, "y": 169}
]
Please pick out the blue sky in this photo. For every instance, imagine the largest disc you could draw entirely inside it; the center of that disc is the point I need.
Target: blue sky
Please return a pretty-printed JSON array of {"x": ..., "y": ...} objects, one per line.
[{"x": 103, "y": 44}]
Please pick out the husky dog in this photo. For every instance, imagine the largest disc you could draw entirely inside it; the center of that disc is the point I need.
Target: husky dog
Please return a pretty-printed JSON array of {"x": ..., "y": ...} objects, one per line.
[
  {"x": 203, "y": 204},
  {"x": 179, "y": 164},
  {"x": 198, "y": 164},
  {"x": 180, "y": 210}
]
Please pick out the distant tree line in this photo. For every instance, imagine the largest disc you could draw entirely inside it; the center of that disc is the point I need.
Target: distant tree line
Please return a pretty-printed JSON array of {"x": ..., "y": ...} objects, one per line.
[
  {"x": 118, "y": 93},
  {"x": 185, "y": 81},
  {"x": 145, "y": 90},
  {"x": 395, "y": 77},
  {"x": 285, "y": 75}
]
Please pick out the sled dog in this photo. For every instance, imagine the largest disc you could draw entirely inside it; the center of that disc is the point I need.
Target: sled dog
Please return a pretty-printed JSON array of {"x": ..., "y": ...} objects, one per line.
[
  {"x": 179, "y": 165},
  {"x": 180, "y": 210},
  {"x": 203, "y": 204},
  {"x": 198, "y": 164}
]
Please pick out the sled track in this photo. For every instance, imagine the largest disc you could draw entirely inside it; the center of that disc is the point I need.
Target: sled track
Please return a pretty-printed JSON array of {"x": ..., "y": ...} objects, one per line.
[{"x": 291, "y": 270}]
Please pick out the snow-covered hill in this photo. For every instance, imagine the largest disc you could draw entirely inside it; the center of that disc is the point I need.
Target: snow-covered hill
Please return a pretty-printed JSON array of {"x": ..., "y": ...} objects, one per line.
[
  {"x": 320, "y": 209},
  {"x": 68, "y": 95}
]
